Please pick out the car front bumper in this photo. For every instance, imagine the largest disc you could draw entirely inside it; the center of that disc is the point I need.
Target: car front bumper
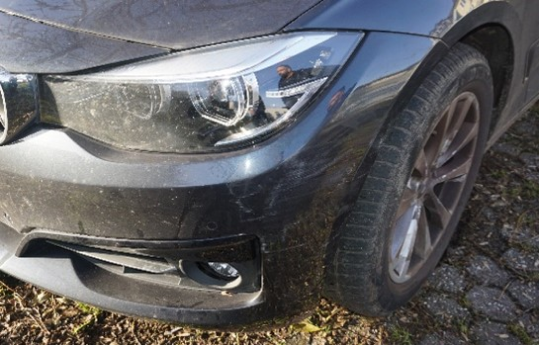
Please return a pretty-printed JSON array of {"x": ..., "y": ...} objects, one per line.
[
  {"x": 60, "y": 189},
  {"x": 283, "y": 197}
]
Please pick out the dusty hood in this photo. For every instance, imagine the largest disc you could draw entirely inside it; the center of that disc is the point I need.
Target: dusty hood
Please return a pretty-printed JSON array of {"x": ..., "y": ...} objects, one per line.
[{"x": 172, "y": 24}]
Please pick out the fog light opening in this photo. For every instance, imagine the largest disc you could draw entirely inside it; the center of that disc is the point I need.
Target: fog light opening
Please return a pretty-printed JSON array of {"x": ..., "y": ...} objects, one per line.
[
  {"x": 223, "y": 271},
  {"x": 218, "y": 275}
]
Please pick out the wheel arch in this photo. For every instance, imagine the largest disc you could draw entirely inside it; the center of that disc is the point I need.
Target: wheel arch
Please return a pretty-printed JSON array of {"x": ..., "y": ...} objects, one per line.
[
  {"x": 496, "y": 44},
  {"x": 492, "y": 29}
]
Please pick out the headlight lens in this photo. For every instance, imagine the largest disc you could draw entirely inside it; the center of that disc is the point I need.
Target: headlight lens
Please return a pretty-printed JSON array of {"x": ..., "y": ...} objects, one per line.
[{"x": 200, "y": 100}]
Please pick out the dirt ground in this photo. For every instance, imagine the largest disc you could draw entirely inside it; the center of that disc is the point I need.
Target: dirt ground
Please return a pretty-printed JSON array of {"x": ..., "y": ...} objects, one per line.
[{"x": 485, "y": 290}]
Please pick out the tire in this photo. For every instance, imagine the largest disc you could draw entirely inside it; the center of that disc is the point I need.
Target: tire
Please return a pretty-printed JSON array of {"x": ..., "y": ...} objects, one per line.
[{"x": 417, "y": 188}]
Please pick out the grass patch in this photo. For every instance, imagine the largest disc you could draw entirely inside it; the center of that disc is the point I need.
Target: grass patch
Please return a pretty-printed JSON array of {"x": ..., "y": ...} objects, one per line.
[
  {"x": 534, "y": 277},
  {"x": 88, "y": 309},
  {"x": 5, "y": 290},
  {"x": 92, "y": 314},
  {"x": 499, "y": 174},
  {"x": 463, "y": 326},
  {"x": 530, "y": 189},
  {"x": 525, "y": 189},
  {"x": 520, "y": 333},
  {"x": 400, "y": 335}
]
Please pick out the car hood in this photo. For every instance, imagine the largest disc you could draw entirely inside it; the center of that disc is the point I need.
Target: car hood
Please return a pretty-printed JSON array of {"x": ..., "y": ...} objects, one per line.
[{"x": 167, "y": 24}]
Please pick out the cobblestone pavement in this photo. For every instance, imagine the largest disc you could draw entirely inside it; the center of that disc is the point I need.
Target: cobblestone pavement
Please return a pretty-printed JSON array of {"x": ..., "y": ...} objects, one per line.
[{"x": 486, "y": 290}]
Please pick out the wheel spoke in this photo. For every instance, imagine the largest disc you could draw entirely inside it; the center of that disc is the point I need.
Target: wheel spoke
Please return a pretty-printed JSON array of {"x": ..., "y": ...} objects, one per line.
[
  {"x": 422, "y": 164},
  {"x": 423, "y": 245},
  {"x": 437, "y": 141},
  {"x": 443, "y": 129},
  {"x": 400, "y": 229},
  {"x": 437, "y": 209},
  {"x": 456, "y": 169},
  {"x": 406, "y": 236},
  {"x": 400, "y": 266},
  {"x": 466, "y": 135},
  {"x": 460, "y": 115},
  {"x": 401, "y": 262},
  {"x": 469, "y": 132},
  {"x": 407, "y": 199}
]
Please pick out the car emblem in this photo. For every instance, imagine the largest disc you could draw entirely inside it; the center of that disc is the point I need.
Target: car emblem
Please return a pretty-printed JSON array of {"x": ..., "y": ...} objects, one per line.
[{"x": 18, "y": 103}]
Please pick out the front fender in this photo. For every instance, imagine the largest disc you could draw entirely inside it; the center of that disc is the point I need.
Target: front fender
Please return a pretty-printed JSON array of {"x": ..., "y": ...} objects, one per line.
[{"x": 448, "y": 20}]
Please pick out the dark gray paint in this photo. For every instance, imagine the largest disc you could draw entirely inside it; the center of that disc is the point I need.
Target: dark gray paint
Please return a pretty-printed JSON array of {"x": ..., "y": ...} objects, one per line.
[
  {"x": 419, "y": 17},
  {"x": 290, "y": 190},
  {"x": 172, "y": 24},
  {"x": 30, "y": 47}
]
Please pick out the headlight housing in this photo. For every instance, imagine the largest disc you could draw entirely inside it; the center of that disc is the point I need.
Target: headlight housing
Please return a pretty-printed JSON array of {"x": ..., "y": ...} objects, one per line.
[{"x": 202, "y": 100}]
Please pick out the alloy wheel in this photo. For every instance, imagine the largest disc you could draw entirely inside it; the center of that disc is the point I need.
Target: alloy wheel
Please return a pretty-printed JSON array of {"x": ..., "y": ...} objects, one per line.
[{"x": 434, "y": 188}]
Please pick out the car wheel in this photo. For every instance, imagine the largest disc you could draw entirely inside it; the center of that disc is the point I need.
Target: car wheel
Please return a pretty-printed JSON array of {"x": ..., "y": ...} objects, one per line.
[{"x": 417, "y": 188}]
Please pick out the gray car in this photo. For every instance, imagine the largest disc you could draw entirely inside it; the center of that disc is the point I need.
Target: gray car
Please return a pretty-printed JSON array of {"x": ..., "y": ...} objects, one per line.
[{"x": 227, "y": 163}]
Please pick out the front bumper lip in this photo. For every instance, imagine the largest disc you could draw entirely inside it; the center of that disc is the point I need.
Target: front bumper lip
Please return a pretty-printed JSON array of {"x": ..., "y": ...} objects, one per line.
[
  {"x": 54, "y": 179},
  {"x": 64, "y": 272},
  {"x": 59, "y": 275}
]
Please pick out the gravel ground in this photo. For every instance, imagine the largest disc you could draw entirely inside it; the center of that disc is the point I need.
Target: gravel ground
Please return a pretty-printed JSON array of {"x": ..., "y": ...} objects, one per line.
[{"x": 485, "y": 290}]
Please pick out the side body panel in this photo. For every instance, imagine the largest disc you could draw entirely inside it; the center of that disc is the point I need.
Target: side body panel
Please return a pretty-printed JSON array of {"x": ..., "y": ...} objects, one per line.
[
  {"x": 531, "y": 34},
  {"x": 450, "y": 21}
]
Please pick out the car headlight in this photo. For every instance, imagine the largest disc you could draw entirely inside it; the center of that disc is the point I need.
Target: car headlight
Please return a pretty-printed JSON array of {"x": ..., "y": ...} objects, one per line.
[{"x": 200, "y": 100}]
